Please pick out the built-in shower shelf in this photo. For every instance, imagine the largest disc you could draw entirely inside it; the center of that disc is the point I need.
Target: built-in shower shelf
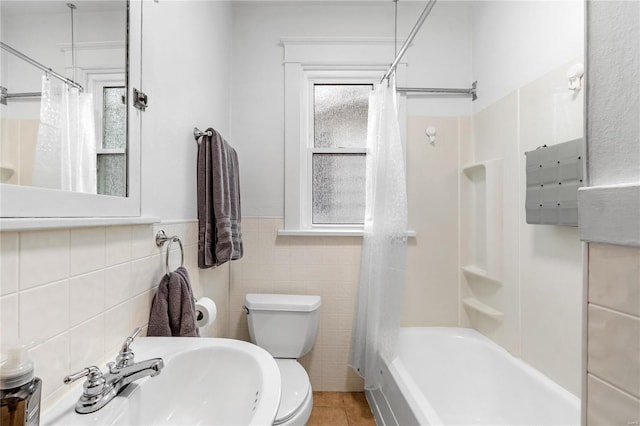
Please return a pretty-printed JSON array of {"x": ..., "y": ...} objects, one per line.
[
  {"x": 484, "y": 309},
  {"x": 478, "y": 272},
  {"x": 473, "y": 168},
  {"x": 481, "y": 190}
]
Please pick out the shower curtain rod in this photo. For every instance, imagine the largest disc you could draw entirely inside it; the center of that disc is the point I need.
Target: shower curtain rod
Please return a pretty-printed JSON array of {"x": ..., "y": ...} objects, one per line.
[
  {"x": 471, "y": 92},
  {"x": 5, "y": 95},
  {"x": 37, "y": 64},
  {"x": 407, "y": 42}
]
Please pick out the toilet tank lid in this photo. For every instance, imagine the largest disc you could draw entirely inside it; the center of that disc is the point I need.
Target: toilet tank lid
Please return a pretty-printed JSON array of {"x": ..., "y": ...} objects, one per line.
[{"x": 282, "y": 302}]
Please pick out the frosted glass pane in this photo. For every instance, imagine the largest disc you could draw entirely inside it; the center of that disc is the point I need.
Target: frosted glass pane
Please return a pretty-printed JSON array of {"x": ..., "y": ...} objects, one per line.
[
  {"x": 338, "y": 188},
  {"x": 340, "y": 115},
  {"x": 112, "y": 178},
  {"x": 114, "y": 122}
]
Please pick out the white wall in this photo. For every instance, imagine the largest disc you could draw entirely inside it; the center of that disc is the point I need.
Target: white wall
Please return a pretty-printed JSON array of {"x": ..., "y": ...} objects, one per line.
[
  {"x": 186, "y": 73},
  {"x": 613, "y": 139},
  {"x": 514, "y": 42},
  {"x": 439, "y": 57},
  {"x": 614, "y": 92}
]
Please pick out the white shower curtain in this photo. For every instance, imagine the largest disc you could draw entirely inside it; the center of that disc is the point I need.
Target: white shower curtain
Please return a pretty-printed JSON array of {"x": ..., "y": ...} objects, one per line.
[
  {"x": 379, "y": 302},
  {"x": 66, "y": 149}
]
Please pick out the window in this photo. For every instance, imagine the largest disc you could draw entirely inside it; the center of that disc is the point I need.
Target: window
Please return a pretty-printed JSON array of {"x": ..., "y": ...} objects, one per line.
[
  {"x": 327, "y": 86},
  {"x": 338, "y": 153},
  {"x": 112, "y": 145}
]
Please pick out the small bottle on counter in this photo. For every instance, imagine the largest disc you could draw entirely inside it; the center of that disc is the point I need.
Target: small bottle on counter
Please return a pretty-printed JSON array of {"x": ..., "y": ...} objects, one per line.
[{"x": 19, "y": 389}]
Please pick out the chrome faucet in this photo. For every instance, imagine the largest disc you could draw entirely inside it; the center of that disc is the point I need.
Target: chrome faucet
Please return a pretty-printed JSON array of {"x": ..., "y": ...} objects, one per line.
[{"x": 101, "y": 388}]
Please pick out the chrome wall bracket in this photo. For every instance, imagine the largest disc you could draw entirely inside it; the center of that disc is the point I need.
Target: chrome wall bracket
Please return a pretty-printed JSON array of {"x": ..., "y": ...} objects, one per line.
[{"x": 140, "y": 99}]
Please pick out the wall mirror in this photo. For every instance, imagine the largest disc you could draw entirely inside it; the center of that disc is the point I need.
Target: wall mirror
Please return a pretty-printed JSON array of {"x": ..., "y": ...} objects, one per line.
[{"x": 69, "y": 138}]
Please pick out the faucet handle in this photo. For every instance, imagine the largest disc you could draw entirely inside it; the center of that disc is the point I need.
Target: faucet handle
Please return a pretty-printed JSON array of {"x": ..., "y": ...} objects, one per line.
[
  {"x": 125, "y": 357},
  {"x": 133, "y": 335},
  {"x": 95, "y": 380},
  {"x": 92, "y": 371}
]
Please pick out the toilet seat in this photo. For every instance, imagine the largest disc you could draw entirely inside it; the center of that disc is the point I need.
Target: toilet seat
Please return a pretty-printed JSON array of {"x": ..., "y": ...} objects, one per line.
[{"x": 296, "y": 396}]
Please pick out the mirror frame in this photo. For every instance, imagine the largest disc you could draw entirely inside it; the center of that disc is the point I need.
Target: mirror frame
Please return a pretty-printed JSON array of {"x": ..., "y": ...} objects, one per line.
[{"x": 32, "y": 202}]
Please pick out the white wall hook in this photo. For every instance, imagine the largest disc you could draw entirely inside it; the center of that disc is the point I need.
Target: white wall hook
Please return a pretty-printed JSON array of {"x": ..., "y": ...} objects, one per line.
[
  {"x": 431, "y": 135},
  {"x": 574, "y": 75}
]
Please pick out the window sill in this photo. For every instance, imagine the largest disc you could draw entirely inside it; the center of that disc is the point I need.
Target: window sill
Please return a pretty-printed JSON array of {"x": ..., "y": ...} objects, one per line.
[
  {"x": 328, "y": 233},
  {"x": 34, "y": 223}
]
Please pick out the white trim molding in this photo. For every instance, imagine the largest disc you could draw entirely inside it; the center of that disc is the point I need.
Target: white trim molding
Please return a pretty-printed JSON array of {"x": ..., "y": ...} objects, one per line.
[
  {"x": 610, "y": 214},
  {"x": 308, "y": 60}
]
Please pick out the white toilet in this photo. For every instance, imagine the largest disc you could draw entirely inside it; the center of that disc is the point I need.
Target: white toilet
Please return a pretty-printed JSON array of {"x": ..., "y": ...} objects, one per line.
[{"x": 286, "y": 326}]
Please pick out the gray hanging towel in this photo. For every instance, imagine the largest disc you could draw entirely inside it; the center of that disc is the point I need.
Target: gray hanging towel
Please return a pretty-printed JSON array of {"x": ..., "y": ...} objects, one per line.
[
  {"x": 173, "y": 310},
  {"x": 219, "y": 230}
]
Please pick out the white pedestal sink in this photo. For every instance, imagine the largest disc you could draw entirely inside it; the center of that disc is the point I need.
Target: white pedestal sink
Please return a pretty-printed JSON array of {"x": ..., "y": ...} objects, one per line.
[{"x": 205, "y": 381}]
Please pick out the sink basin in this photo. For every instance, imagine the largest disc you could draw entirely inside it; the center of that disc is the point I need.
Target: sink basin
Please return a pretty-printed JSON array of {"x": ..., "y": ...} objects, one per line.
[{"x": 205, "y": 381}]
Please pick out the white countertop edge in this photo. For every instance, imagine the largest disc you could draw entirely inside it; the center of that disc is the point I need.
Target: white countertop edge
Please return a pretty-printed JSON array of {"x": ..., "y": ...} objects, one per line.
[{"x": 38, "y": 223}]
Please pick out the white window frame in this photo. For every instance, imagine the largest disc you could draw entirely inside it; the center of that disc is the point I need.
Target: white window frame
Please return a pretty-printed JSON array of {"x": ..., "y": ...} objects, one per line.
[
  {"x": 322, "y": 61},
  {"x": 347, "y": 77}
]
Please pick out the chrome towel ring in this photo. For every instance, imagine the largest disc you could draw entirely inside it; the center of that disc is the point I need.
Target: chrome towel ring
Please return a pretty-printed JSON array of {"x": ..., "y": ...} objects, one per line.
[{"x": 161, "y": 238}]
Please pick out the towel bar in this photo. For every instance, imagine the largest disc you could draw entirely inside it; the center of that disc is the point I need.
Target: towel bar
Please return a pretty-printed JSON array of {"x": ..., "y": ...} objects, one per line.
[
  {"x": 197, "y": 133},
  {"x": 161, "y": 238}
]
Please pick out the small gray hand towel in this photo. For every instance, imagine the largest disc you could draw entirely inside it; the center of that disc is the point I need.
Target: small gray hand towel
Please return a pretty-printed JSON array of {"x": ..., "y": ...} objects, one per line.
[{"x": 173, "y": 310}]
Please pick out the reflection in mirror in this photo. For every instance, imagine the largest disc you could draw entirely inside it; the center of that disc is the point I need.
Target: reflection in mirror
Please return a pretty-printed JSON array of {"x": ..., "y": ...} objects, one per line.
[{"x": 54, "y": 135}]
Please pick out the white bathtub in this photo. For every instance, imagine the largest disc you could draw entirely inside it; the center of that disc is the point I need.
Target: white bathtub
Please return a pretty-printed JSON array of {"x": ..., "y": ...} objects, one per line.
[{"x": 456, "y": 376}]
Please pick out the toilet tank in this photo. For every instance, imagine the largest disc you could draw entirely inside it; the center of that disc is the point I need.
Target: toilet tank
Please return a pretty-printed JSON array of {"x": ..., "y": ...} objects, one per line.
[{"x": 285, "y": 325}]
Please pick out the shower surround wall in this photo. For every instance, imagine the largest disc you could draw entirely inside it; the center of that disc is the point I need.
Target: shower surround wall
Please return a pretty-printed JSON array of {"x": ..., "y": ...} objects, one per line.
[
  {"x": 538, "y": 284},
  {"x": 521, "y": 52}
]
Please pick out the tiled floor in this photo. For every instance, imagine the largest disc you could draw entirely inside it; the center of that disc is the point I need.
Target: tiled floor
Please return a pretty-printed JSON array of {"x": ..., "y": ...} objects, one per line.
[{"x": 340, "y": 409}]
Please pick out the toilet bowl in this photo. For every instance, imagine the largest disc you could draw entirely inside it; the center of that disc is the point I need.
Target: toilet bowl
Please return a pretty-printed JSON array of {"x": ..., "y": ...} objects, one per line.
[
  {"x": 286, "y": 326},
  {"x": 296, "y": 400}
]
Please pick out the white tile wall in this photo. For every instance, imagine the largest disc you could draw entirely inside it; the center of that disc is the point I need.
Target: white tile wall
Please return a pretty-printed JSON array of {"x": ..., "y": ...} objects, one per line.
[
  {"x": 613, "y": 345},
  {"x": 608, "y": 405},
  {"x": 614, "y": 348},
  {"x": 79, "y": 292},
  {"x": 326, "y": 266},
  {"x": 614, "y": 272},
  {"x": 87, "y": 250},
  {"x": 44, "y": 257},
  {"x": 44, "y": 311},
  {"x": 8, "y": 262},
  {"x": 86, "y": 297}
]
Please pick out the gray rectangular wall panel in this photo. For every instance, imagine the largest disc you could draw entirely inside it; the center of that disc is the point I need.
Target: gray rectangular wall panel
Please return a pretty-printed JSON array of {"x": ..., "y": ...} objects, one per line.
[{"x": 554, "y": 174}]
